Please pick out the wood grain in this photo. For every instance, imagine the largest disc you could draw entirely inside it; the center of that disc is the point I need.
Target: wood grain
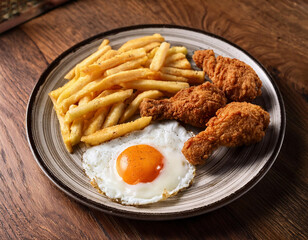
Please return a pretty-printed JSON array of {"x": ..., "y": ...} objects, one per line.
[{"x": 274, "y": 32}]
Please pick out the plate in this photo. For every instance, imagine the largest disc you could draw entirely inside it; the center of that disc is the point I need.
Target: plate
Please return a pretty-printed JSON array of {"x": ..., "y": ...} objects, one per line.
[{"x": 229, "y": 173}]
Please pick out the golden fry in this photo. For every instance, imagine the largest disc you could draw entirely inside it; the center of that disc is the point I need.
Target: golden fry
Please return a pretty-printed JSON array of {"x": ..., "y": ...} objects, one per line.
[
  {"x": 192, "y": 75},
  {"x": 116, "y": 131},
  {"x": 174, "y": 57},
  {"x": 127, "y": 66},
  {"x": 169, "y": 77},
  {"x": 56, "y": 93},
  {"x": 160, "y": 56},
  {"x": 110, "y": 54},
  {"x": 64, "y": 128},
  {"x": 77, "y": 125},
  {"x": 76, "y": 131},
  {"x": 83, "y": 101},
  {"x": 133, "y": 106},
  {"x": 182, "y": 63},
  {"x": 97, "y": 103},
  {"x": 75, "y": 87},
  {"x": 114, "y": 114},
  {"x": 171, "y": 87},
  {"x": 115, "y": 61},
  {"x": 140, "y": 42},
  {"x": 177, "y": 49},
  {"x": 105, "y": 42},
  {"x": 105, "y": 83},
  {"x": 97, "y": 121},
  {"x": 149, "y": 47},
  {"x": 148, "y": 63},
  {"x": 152, "y": 53},
  {"x": 86, "y": 62},
  {"x": 70, "y": 75}
]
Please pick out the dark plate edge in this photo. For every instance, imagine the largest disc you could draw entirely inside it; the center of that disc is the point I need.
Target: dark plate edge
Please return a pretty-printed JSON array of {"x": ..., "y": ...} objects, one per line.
[{"x": 147, "y": 216}]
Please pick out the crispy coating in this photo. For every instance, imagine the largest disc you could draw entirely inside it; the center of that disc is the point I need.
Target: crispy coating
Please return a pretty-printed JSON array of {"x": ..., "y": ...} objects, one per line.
[
  {"x": 194, "y": 105},
  {"x": 237, "y": 124},
  {"x": 237, "y": 79}
]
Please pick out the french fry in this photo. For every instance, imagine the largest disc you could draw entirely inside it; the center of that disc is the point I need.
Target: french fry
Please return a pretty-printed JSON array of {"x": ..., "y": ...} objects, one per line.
[
  {"x": 115, "y": 61},
  {"x": 97, "y": 121},
  {"x": 56, "y": 93},
  {"x": 83, "y": 101},
  {"x": 105, "y": 42},
  {"x": 105, "y": 83},
  {"x": 75, "y": 87},
  {"x": 114, "y": 114},
  {"x": 153, "y": 52},
  {"x": 70, "y": 75},
  {"x": 88, "y": 61},
  {"x": 110, "y": 54},
  {"x": 174, "y": 57},
  {"x": 64, "y": 128},
  {"x": 65, "y": 132},
  {"x": 127, "y": 66},
  {"x": 149, "y": 47},
  {"x": 76, "y": 131},
  {"x": 160, "y": 56},
  {"x": 140, "y": 42},
  {"x": 169, "y": 77},
  {"x": 97, "y": 103},
  {"x": 133, "y": 106},
  {"x": 182, "y": 63},
  {"x": 192, "y": 75},
  {"x": 171, "y": 87},
  {"x": 116, "y": 131},
  {"x": 93, "y": 57},
  {"x": 77, "y": 125},
  {"x": 148, "y": 63},
  {"x": 107, "y": 92},
  {"x": 177, "y": 49}
]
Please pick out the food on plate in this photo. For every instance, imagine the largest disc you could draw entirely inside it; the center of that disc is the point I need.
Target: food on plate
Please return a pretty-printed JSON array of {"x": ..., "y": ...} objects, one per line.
[
  {"x": 194, "y": 105},
  {"x": 116, "y": 131},
  {"x": 133, "y": 106},
  {"x": 145, "y": 85},
  {"x": 141, "y": 42},
  {"x": 160, "y": 56},
  {"x": 133, "y": 162},
  {"x": 237, "y": 124},
  {"x": 237, "y": 79},
  {"x": 195, "y": 77},
  {"x": 97, "y": 103},
  {"x": 143, "y": 167},
  {"x": 106, "y": 88}
]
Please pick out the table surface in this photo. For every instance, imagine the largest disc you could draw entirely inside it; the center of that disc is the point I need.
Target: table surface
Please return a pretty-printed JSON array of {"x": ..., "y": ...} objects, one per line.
[{"x": 274, "y": 32}]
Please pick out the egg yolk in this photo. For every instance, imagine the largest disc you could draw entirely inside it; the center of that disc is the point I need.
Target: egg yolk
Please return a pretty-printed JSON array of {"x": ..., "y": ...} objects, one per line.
[{"x": 139, "y": 164}]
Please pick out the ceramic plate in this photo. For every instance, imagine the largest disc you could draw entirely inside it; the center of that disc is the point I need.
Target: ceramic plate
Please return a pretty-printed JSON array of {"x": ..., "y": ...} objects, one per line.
[{"x": 229, "y": 173}]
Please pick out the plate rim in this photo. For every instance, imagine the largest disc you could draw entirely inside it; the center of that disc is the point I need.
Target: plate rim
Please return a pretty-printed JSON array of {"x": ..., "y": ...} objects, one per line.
[{"x": 140, "y": 215}]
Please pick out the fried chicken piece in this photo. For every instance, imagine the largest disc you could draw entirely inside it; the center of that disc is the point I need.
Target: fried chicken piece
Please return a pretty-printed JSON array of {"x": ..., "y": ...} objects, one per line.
[
  {"x": 237, "y": 79},
  {"x": 194, "y": 105},
  {"x": 237, "y": 124}
]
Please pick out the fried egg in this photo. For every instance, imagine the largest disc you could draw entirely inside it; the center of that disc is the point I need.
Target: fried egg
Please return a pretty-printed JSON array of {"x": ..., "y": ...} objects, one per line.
[{"x": 143, "y": 167}]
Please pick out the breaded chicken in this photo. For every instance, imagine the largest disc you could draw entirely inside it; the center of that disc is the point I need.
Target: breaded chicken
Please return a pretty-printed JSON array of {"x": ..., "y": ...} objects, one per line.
[
  {"x": 194, "y": 105},
  {"x": 238, "y": 123},
  {"x": 237, "y": 79}
]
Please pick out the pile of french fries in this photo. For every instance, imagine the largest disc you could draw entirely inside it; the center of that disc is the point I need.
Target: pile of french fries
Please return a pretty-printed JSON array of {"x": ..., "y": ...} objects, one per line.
[{"x": 104, "y": 90}]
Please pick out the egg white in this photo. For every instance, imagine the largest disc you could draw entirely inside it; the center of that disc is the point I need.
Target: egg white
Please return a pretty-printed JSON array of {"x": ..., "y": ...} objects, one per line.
[{"x": 168, "y": 138}]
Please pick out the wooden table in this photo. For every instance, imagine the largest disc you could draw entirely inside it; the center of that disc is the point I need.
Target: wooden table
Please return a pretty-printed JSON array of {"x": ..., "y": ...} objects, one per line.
[{"x": 274, "y": 32}]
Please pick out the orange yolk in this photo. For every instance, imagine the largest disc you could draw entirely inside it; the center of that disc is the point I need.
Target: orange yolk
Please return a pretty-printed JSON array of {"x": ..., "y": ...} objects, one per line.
[{"x": 139, "y": 163}]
